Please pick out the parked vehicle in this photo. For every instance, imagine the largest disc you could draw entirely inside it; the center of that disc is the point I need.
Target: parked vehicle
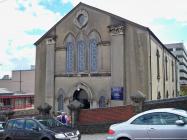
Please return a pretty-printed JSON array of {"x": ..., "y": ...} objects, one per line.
[
  {"x": 157, "y": 124},
  {"x": 39, "y": 128}
]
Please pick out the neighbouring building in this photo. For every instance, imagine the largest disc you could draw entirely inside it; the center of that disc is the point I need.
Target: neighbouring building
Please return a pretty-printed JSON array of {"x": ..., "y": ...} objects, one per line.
[
  {"x": 14, "y": 101},
  {"x": 22, "y": 81},
  {"x": 178, "y": 49},
  {"x": 101, "y": 59}
]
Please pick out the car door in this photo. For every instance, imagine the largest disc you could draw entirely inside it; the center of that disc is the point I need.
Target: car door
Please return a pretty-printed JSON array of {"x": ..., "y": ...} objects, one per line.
[
  {"x": 9, "y": 128},
  {"x": 154, "y": 126},
  {"x": 1, "y": 129},
  {"x": 32, "y": 130},
  {"x": 163, "y": 126},
  {"x": 171, "y": 129},
  {"x": 17, "y": 131},
  {"x": 138, "y": 128},
  {"x": 150, "y": 123}
]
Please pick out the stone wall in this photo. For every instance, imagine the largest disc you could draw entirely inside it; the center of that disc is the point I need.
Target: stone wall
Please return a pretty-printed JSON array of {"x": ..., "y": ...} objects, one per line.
[
  {"x": 105, "y": 115},
  {"x": 178, "y": 102},
  {"x": 98, "y": 120},
  {"x": 95, "y": 128}
]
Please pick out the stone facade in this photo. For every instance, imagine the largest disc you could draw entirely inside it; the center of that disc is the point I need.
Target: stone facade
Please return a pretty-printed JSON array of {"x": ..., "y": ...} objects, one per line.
[{"x": 101, "y": 59}]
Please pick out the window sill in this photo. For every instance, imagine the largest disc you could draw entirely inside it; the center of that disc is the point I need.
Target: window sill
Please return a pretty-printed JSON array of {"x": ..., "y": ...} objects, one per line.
[{"x": 84, "y": 75}]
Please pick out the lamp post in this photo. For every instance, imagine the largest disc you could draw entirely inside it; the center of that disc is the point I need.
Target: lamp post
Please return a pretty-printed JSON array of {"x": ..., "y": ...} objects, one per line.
[
  {"x": 0, "y": 70},
  {"x": 20, "y": 81}
]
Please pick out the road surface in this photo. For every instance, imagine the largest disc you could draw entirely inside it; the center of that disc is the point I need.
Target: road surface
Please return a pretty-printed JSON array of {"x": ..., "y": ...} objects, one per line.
[{"x": 94, "y": 136}]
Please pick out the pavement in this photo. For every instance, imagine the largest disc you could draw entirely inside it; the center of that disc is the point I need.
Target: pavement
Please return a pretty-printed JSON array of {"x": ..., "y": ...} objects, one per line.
[{"x": 100, "y": 136}]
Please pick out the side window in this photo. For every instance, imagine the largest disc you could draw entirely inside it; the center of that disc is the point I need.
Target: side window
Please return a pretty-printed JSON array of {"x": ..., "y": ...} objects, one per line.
[
  {"x": 10, "y": 124},
  {"x": 148, "y": 119},
  {"x": 30, "y": 124},
  {"x": 1, "y": 126},
  {"x": 19, "y": 124},
  {"x": 183, "y": 118},
  {"x": 169, "y": 118}
]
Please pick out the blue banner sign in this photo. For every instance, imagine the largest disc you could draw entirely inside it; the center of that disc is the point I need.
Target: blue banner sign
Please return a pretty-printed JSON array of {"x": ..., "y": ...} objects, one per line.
[{"x": 117, "y": 93}]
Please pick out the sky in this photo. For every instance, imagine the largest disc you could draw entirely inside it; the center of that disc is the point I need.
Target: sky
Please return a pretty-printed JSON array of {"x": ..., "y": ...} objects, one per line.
[{"x": 23, "y": 22}]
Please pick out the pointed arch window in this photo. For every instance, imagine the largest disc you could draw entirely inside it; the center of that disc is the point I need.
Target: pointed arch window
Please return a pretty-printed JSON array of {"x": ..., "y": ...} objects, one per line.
[
  {"x": 167, "y": 95},
  {"x": 158, "y": 95},
  {"x": 158, "y": 64},
  {"x": 81, "y": 46},
  {"x": 166, "y": 63},
  {"x": 172, "y": 66},
  {"x": 94, "y": 38},
  {"x": 61, "y": 102},
  {"x": 69, "y": 44},
  {"x": 173, "y": 93},
  {"x": 69, "y": 57},
  {"x": 93, "y": 55},
  {"x": 102, "y": 102},
  {"x": 60, "y": 99}
]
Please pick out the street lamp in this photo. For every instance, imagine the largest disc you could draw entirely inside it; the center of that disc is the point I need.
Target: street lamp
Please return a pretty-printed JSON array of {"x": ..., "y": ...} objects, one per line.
[{"x": 0, "y": 69}]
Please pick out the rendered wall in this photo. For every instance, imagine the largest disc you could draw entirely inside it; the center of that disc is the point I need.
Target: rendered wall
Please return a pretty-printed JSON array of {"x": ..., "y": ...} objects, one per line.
[
  {"x": 161, "y": 84},
  {"x": 25, "y": 82}
]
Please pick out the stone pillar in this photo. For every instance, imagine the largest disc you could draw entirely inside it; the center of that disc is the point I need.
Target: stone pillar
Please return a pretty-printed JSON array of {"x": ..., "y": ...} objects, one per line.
[
  {"x": 74, "y": 108},
  {"x": 49, "y": 82},
  {"x": 138, "y": 99},
  {"x": 118, "y": 60},
  {"x": 44, "y": 109}
]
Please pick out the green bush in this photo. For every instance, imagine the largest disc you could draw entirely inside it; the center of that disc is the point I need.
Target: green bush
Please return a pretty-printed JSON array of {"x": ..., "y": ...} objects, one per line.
[{"x": 183, "y": 93}]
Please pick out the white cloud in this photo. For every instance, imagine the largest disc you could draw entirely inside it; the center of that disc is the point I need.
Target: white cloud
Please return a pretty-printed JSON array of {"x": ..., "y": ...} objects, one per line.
[
  {"x": 142, "y": 11},
  {"x": 14, "y": 24},
  {"x": 145, "y": 12}
]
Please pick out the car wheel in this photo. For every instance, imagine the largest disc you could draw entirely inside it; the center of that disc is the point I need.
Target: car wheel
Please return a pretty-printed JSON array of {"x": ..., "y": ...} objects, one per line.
[
  {"x": 45, "y": 139},
  {"x": 8, "y": 139},
  {"x": 123, "y": 139}
]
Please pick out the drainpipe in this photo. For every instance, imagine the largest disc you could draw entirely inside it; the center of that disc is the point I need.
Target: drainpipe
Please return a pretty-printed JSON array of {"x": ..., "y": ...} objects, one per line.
[
  {"x": 150, "y": 83},
  {"x": 54, "y": 99}
]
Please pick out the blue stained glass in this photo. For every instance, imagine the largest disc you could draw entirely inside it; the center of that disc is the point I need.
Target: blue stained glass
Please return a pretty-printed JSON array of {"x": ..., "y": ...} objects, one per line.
[
  {"x": 93, "y": 55},
  {"x": 81, "y": 56},
  {"x": 102, "y": 102},
  {"x": 69, "y": 57}
]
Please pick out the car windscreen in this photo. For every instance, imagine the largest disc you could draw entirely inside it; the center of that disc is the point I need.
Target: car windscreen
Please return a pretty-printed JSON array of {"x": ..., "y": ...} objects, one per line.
[{"x": 50, "y": 122}]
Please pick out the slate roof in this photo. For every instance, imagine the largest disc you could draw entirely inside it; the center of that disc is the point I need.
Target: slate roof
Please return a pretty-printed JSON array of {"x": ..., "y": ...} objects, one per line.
[{"x": 4, "y": 91}]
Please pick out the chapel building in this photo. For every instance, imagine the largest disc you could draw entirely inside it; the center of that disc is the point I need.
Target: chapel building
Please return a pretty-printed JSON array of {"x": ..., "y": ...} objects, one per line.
[{"x": 101, "y": 59}]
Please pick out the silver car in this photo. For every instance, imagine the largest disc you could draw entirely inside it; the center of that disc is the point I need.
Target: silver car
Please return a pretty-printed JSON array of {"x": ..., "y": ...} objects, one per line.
[{"x": 156, "y": 124}]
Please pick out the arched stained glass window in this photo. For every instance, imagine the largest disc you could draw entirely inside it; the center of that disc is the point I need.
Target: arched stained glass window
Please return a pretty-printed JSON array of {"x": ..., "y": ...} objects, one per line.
[
  {"x": 167, "y": 95},
  {"x": 93, "y": 55},
  {"x": 81, "y": 46},
  {"x": 70, "y": 46},
  {"x": 94, "y": 38},
  {"x": 69, "y": 57},
  {"x": 60, "y": 100},
  {"x": 158, "y": 95},
  {"x": 102, "y": 102},
  {"x": 173, "y": 93}
]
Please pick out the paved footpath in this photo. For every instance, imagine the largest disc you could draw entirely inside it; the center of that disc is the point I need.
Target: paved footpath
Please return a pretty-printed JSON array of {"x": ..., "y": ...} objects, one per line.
[{"x": 101, "y": 136}]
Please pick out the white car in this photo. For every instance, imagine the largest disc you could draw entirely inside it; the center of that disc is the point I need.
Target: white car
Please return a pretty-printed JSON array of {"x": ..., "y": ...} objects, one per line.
[{"x": 156, "y": 124}]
